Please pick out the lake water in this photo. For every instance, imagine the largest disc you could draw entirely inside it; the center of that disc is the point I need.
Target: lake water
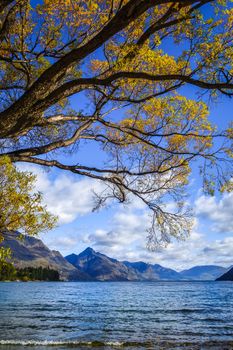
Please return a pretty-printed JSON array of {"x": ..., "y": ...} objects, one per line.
[{"x": 124, "y": 315}]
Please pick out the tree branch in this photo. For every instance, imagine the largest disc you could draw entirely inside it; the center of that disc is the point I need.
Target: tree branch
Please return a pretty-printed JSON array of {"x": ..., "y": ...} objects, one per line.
[{"x": 17, "y": 117}]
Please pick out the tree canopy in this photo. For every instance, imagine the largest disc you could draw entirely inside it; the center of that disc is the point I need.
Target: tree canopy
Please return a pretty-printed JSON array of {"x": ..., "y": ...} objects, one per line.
[
  {"x": 21, "y": 208},
  {"x": 117, "y": 54}
]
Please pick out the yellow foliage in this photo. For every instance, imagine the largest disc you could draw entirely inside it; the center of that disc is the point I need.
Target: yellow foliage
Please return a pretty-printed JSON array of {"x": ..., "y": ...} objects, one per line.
[{"x": 21, "y": 208}]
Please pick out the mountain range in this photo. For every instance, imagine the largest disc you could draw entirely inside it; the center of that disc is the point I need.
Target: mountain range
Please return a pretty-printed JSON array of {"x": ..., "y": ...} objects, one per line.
[{"x": 90, "y": 265}]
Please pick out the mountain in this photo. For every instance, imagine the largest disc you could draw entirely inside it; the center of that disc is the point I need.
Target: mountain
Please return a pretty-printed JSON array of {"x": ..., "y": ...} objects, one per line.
[
  {"x": 102, "y": 268},
  {"x": 228, "y": 276},
  {"x": 32, "y": 252},
  {"x": 90, "y": 265},
  {"x": 203, "y": 273},
  {"x": 153, "y": 272}
]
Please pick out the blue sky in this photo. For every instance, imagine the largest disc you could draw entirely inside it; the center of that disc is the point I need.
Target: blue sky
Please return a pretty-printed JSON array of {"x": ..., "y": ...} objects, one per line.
[{"x": 120, "y": 230}]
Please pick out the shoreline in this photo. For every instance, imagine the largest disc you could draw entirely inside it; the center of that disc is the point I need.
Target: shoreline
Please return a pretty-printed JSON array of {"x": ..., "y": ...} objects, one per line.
[
  {"x": 98, "y": 281},
  {"x": 150, "y": 344}
]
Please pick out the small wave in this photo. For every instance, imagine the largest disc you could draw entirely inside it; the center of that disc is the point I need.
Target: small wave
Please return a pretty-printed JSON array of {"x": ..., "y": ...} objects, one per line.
[
  {"x": 48, "y": 343},
  {"x": 165, "y": 344}
]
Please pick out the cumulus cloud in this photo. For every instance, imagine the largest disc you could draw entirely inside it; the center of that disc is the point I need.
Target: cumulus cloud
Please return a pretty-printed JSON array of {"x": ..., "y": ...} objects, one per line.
[
  {"x": 69, "y": 199},
  {"x": 127, "y": 237},
  {"x": 218, "y": 212},
  {"x": 197, "y": 250},
  {"x": 123, "y": 235},
  {"x": 65, "y": 195},
  {"x": 65, "y": 243},
  {"x": 127, "y": 241},
  {"x": 220, "y": 251},
  {"x": 126, "y": 229}
]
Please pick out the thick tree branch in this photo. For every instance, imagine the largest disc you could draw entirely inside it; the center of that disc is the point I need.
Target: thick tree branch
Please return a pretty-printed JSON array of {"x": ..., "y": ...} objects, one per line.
[
  {"x": 18, "y": 117},
  {"x": 4, "y": 4},
  {"x": 33, "y": 151},
  {"x": 77, "y": 85}
]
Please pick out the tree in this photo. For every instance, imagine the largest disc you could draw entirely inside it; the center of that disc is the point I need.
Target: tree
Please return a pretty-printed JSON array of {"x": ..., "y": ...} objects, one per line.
[
  {"x": 115, "y": 54},
  {"x": 21, "y": 209},
  {"x": 7, "y": 270}
]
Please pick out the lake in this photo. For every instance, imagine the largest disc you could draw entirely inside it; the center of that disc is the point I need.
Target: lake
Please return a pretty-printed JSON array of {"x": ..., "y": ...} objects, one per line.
[{"x": 116, "y": 315}]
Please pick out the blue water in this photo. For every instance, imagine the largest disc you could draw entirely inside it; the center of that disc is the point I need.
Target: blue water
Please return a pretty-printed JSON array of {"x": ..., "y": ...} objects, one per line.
[{"x": 105, "y": 315}]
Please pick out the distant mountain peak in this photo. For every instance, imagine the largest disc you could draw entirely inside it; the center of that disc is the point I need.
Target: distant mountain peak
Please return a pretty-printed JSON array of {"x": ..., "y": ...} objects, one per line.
[
  {"x": 101, "y": 267},
  {"x": 89, "y": 250},
  {"x": 203, "y": 272}
]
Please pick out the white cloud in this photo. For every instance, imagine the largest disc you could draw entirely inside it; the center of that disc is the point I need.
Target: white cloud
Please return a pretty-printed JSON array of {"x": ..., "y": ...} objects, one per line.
[
  {"x": 69, "y": 199},
  {"x": 65, "y": 195},
  {"x": 126, "y": 240},
  {"x": 220, "y": 251},
  {"x": 126, "y": 228},
  {"x": 124, "y": 235},
  {"x": 219, "y": 212},
  {"x": 66, "y": 242}
]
